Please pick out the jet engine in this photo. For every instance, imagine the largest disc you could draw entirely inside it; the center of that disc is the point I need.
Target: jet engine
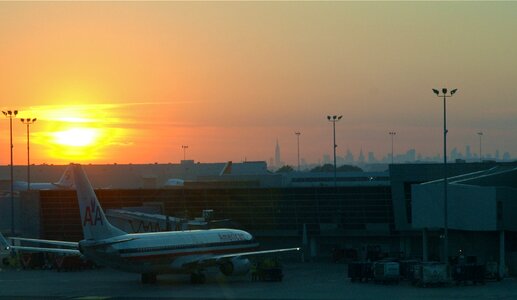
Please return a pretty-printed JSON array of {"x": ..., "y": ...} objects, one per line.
[{"x": 236, "y": 266}]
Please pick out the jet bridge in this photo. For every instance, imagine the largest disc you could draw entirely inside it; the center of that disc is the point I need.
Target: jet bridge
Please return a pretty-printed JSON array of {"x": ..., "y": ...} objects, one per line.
[{"x": 136, "y": 221}]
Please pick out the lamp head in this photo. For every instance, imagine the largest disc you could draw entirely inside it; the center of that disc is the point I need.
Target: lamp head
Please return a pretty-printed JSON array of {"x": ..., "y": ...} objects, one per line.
[
  {"x": 453, "y": 91},
  {"x": 328, "y": 118},
  {"x": 15, "y": 112},
  {"x": 444, "y": 90},
  {"x": 339, "y": 118},
  {"x": 34, "y": 120},
  {"x": 436, "y": 91}
]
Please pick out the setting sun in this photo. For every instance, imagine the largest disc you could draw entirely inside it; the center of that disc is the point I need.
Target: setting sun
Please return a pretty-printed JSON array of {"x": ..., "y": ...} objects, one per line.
[
  {"x": 76, "y": 137},
  {"x": 78, "y": 133}
]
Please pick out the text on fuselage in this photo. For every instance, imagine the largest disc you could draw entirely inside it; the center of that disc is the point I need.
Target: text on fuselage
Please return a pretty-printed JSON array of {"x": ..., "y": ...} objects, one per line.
[{"x": 230, "y": 237}]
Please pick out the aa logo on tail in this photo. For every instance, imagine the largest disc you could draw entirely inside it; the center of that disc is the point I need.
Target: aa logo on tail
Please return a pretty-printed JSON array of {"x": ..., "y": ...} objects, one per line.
[{"x": 92, "y": 214}]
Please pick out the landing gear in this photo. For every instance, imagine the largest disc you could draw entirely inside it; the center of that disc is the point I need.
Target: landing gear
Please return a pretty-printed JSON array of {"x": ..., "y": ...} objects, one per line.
[
  {"x": 197, "y": 278},
  {"x": 148, "y": 278}
]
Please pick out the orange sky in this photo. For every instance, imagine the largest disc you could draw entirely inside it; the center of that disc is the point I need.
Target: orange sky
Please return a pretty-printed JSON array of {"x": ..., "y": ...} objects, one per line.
[{"x": 123, "y": 82}]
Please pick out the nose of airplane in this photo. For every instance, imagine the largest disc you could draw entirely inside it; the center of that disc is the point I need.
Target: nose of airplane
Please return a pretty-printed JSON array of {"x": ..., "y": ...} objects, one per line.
[{"x": 248, "y": 236}]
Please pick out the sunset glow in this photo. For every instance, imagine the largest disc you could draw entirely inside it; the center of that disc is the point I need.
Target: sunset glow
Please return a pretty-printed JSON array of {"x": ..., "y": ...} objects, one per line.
[{"x": 131, "y": 82}]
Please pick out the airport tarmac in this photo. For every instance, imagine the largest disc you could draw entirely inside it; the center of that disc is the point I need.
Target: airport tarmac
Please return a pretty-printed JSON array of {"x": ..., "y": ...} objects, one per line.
[{"x": 301, "y": 281}]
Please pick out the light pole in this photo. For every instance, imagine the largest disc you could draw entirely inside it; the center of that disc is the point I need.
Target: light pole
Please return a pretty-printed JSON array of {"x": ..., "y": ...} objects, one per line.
[
  {"x": 392, "y": 133},
  {"x": 480, "y": 153},
  {"x": 184, "y": 147},
  {"x": 334, "y": 119},
  {"x": 444, "y": 95},
  {"x": 28, "y": 122},
  {"x": 298, "y": 142},
  {"x": 11, "y": 114}
]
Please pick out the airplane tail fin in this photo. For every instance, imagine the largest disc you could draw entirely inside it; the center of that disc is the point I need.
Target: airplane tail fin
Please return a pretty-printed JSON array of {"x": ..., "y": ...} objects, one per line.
[
  {"x": 66, "y": 180},
  {"x": 94, "y": 222},
  {"x": 227, "y": 169}
]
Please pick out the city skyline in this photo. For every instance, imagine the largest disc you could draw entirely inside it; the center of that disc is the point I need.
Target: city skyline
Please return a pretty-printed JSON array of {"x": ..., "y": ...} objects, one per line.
[
  {"x": 132, "y": 82},
  {"x": 404, "y": 156}
]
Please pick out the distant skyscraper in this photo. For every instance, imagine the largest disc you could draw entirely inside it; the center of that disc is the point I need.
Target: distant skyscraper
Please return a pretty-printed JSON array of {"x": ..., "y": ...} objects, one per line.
[
  {"x": 411, "y": 155},
  {"x": 361, "y": 156},
  {"x": 454, "y": 154},
  {"x": 468, "y": 154},
  {"x": 371, "y": 158},
  {"x": 349, "y": 157},
  {"x": 506, "y": 156},
  {"x": 278, "y": 162}
]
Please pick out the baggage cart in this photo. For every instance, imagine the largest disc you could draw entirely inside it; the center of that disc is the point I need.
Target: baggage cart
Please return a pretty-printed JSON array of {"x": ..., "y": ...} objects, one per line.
[
  {"x": 430, "y": 274},
  {"x": 469, "y": 273},
  {"x": 407, "y": 269},
  {"x": 360, "y": 271},
  {"x": 492, "y": 271},
  {"x": 386, "y": 272}
]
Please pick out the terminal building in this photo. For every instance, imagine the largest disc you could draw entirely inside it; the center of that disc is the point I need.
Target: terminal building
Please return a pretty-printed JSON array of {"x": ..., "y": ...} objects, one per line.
[{"x": 369, "y": 214}]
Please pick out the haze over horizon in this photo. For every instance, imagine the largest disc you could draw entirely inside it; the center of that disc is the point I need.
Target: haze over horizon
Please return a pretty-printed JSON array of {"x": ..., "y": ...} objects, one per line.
[{"x": 131, "y": 82}]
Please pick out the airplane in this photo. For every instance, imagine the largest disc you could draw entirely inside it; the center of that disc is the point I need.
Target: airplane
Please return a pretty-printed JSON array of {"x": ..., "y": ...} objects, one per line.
[
  {"x": 176, "y": 182},
  {"x": 65, "y": 182},
  {"x": 150, "y": 254},
  {"x": 227, "y": 169}
]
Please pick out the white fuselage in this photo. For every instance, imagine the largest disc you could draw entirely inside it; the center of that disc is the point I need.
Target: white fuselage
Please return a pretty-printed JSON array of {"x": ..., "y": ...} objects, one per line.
[
  {"x": 22, "y": 186},
  {"x": 166, "y": 252}
]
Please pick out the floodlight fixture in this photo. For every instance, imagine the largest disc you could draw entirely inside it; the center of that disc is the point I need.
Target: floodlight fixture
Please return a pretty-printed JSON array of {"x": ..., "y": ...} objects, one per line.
[{"x": 11, "y": 114}]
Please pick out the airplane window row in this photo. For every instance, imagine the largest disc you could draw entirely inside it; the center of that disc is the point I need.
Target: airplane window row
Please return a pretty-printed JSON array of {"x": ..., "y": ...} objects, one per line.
[{"x": 186, "y": 246}]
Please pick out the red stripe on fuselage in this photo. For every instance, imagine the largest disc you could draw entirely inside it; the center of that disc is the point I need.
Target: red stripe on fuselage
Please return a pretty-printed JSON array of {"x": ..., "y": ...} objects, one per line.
[{"x": 177, "y": 254}]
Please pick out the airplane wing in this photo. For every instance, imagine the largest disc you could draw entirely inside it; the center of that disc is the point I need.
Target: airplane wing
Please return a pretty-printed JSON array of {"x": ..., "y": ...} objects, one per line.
[
  {"x": 42, "y": 249},
  {"x": 68, "y": 251},
  {"x": 212, "y": 260},
  {"x": 48, "y": 242},
  {"x": 222, "y": 256}
]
